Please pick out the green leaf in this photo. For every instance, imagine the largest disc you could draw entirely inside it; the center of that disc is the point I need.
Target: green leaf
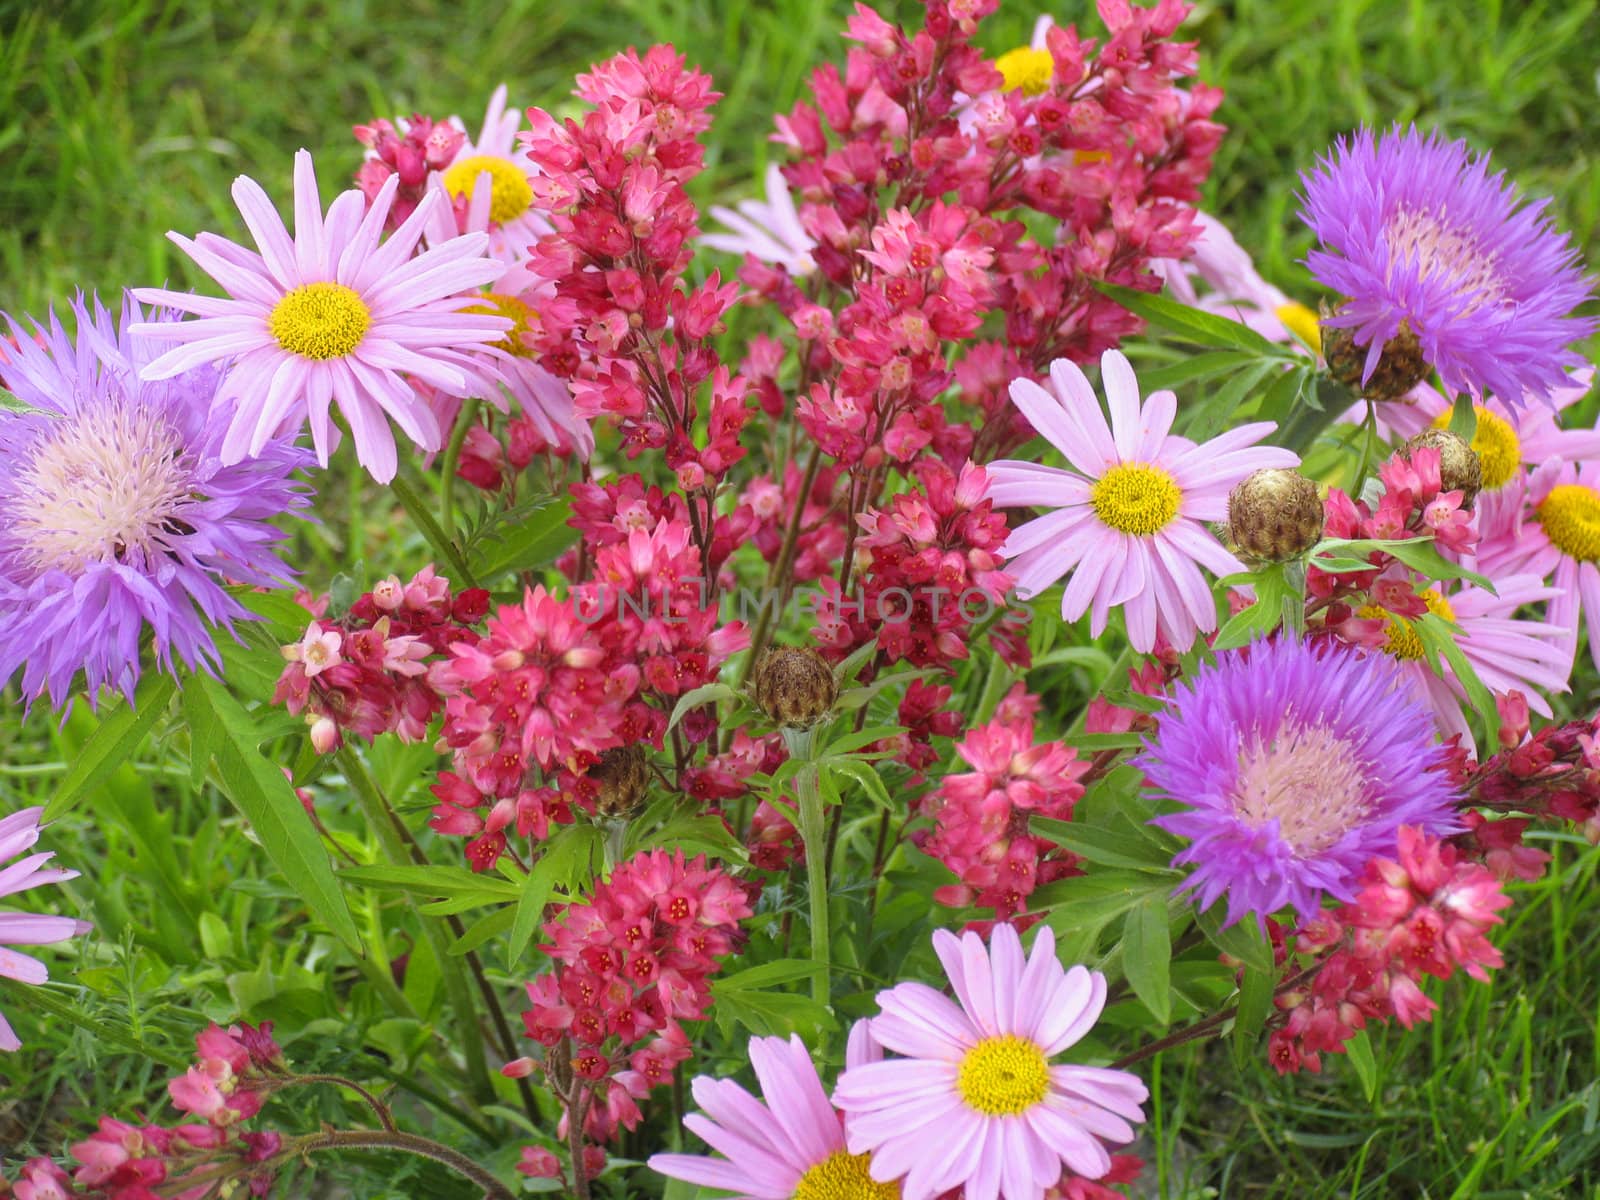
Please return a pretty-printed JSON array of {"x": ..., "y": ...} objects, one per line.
[
  {"x": 522, "y": 538},
  {"x": 436, "y": 880},
  {"x": 1439, "y": 636},
  {"x": 112, "y": 744},
  {"x": 565, "y": 858},
  {"x": 1192, "y": 368},
  {"x": 263, "y": 795},
  {"x": 707, "y": 693},
  {"x": 1107, "y": 846},
  {"x": 1464, "y": 424},
  {"x": 480, "y": 931},
  {"x": 1208, "y": 329},
  {"x": 1255, "y": 1003},
  {"x": 769, "y": 974},
  {"x": 770, "y": 1013},
  {"x": 1147, "y": 955},
  {"x": 1420, "y": 554},
  {"x": 1242, "y": 940},
  {"x": 1359, "y": 1051}
]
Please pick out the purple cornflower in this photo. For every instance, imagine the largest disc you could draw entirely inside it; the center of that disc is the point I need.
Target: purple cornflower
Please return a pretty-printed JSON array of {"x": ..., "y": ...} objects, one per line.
[
  {"x": 1414, "y": 229},
  {"x": 116, "y": 513},
  {"x": 1293, "y": 765}
]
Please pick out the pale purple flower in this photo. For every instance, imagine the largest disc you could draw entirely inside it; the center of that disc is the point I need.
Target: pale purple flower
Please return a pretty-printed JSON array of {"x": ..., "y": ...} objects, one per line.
[
  {"x": 19, "y": 832},
  {"x": 771, "y": 231},
  {"x": 792, "y": 1144},
  {"x": 974, "y": 1101},
  {"x": 332, "y": 317},
  {"x": 1292, "y": 766},
  {"x": 1128, "y": 528},
  {"x": 1414, "y": 229},
  {"x": 119, "y": 520}
]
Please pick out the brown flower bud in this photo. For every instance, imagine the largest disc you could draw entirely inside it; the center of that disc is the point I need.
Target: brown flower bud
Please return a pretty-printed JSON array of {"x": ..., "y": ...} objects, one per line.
[
  {"x": 1460, "y": 469},
  {"x": 1274, "y": 515},
  {"x": 1400, "y": 368},
  {"x": 624, "y": 777},
  {"x": 796, "y": 688}
]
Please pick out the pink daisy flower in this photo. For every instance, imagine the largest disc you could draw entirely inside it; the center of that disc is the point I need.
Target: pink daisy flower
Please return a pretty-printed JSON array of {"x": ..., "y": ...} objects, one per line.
[
  {"x": 1509, "y": 654},
  {"x": 1508, "y": 436},
  {"x": 327, "y": 317},
  {"x": 519, "y": 296},
  {"x": 19, "y": 832},
  {"x": 1549, "y": 526},
  {"x": 1128, "y": 528},
  {"x": 514, "y": 223},
  {"x": 791, "y": 1145},
  {"x": 975, "y": 1103},
  {"x": 771, "y": 231}
]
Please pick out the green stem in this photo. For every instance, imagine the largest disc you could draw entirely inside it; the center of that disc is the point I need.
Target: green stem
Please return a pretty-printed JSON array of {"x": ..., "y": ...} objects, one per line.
[
  {"x": 814, "y": 833},
  {"x": 405, "y": 1143},
  {"x": 436, "y": 537},
  {"x": 383, "y": 822},
  {"x": 452, "y": 455}
]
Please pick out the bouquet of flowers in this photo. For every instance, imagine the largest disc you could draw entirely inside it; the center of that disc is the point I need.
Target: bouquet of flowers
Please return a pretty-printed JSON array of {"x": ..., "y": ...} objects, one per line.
[{"x": 921, "y": 642}]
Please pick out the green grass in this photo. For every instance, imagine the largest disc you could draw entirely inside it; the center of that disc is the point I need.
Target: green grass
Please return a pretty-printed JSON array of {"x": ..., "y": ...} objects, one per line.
[{"x": 120, "y": 121}]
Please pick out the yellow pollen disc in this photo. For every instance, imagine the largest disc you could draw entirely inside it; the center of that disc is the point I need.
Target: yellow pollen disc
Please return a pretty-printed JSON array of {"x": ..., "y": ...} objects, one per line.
[
  {"x": 1004, "y": 1076},
  {"x": 1570, "y": 515},
  {"x": 843, "y": 1176},
  {"x": 1496, "y": 444},
  {"x": 320, "y": 320},
  {"x": 1028, "y": 69},
  {"x": 510, "y": 192},
  {"x": 1135, "y": 498},
  {"x": 521, "y": 316},
  {"x": 1302, "y": 322},
  {"x": 1401, "y": 636}
]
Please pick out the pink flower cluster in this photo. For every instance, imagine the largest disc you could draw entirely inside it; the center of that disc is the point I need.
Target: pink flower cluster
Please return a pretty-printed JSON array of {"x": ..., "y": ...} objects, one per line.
[
  {"x": 981, "y": 817},
  {"x": 624, "y": 327},
  {"x": 1551, "y": 775},
  {"x": 930, "y": 574},
  {"x": 632, "y": 963},
  {"x": 367, "y": 673},
  {"x": 1423, "y": 913},
  {"x": 120, "y": 1161},
  {"x": 412, "y": 153}
]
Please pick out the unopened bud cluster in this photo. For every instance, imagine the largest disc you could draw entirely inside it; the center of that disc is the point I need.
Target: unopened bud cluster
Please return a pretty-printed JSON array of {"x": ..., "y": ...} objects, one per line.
[{"x": 1400, "y": 367}]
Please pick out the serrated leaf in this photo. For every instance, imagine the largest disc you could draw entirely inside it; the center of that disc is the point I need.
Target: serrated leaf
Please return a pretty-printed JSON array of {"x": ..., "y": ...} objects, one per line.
[
  {"x": 522, "y": 538},
  {"x": 263, "y": 795},
  {"x": 1147, "y": 955},
  {"x": 1208, "y": 329},
  {"x": 120, "y": 733}
]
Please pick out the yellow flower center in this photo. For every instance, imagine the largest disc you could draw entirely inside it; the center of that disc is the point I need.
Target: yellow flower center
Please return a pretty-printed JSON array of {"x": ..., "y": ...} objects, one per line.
[
  {"x": 1004, "y": 1076},
  {"x": 521, "y": 316},
  {"x": 1135, "y": 498},
  {"x": 510, "y": 192},
  {"x": 843, "y": 1176},
  {"x": 1401, "y": 639},
  {"x": 1570, "y": 515},
  {"x": 1496, "y": 444},
  {"x": 320, "y": 320},
  {"x": 1028, "y": 69},
  {"x": 1302, "y": 322}
]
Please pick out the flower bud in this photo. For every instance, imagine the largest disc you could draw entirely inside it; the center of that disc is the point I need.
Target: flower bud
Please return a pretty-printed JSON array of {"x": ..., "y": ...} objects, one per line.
[
  {"x": 624, "y": 777},
  {"x": 1460, "y": 469},
  {"x": 1400, "y": 368},
  {"x": 1274, "y": 515},
  {"x": 796, "y": 688}
]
